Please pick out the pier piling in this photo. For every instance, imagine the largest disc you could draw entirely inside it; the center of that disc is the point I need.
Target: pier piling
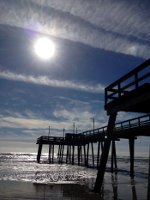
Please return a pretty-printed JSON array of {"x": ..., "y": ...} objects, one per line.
[
  {"x": 113, "y": 157},
  {"x": 39, "y": 153},
  {"x": 105, "y": 152},
  {"x": 131, "y": 147}
]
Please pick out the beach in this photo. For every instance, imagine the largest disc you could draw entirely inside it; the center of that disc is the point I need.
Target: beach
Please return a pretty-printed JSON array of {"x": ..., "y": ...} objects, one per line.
[{"x": 22, "y": 178}]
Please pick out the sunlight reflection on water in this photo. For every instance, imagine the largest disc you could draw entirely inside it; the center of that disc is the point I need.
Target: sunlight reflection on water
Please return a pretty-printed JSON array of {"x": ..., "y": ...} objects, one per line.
[{"x": 23, "y": 169}]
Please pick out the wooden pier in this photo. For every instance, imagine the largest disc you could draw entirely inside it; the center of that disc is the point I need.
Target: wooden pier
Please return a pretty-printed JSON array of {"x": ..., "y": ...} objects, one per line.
[{"x": 129, "y": 93}]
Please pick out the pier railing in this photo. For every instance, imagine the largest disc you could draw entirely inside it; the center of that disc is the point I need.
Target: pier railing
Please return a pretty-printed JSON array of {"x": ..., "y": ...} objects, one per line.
[
  {"x": 133, "y": 123},
  {"x": 97, "y": 134},
  {"x": 120, "y": 126},
  {"x": 132, "y": 80}
]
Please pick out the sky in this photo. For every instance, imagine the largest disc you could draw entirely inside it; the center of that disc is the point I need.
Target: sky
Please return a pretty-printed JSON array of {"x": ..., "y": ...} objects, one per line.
[{"x": 96, "y": 42}]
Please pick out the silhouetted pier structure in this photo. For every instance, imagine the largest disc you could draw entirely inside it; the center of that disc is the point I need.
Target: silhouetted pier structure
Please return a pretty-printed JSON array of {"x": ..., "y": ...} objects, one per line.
[{"x": 129, "y": 93}]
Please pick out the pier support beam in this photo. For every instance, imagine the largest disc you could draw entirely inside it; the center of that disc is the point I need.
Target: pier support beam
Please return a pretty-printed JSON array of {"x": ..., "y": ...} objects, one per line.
[
  {"x": 98, "y": 154},
  {"x": 67, "y": 154},
  {"x": 131, "y": 148},
  {"x": 92, "y": 153},
  {"x": 73, "y": 147},
  {"x": 113, "y": 157},
  {"x": 85, "y": 160},
  {"x": 62, "y": 153},
  {"x": 53, "y": 153},
  {"x": 49, "y": 157},
  {"x": 105, "y": 152},
  {"x": 87, "y": 155},
  {"x": 59, "y": 153},
  {"x": 79, "y": 154},
  {"x": 70, "y": 154},
  {"x": 148, "y": 186},
  {"x": 39, "y": 153}
]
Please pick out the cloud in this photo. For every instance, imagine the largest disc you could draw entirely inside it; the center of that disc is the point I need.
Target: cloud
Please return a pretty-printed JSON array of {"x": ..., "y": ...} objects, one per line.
[
  {"x": 82, "y": 117},
  {"x": 44, "y": 80},
  {"x": 73, "y": 115},
  {"x": 30, "y": 121},
  {"x": 32, "y": 124},
  {"x": 29, "y": 125},
  {"x": 124, "y": 30}
]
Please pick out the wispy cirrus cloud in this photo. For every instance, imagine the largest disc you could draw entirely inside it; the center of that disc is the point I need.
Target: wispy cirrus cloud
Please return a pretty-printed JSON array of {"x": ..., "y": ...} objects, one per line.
[
  {"x": 31, "y": 124},
  {"x": 87, "y": 22},
  {"x": 25, "y": 122},
  {"x": 44, "y": 80}
]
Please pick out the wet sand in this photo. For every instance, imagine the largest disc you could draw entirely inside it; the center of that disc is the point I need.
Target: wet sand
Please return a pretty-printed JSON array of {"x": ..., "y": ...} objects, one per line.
[
  {"x": 122, "y": 188},
  {"x": 12, "y": 190}
]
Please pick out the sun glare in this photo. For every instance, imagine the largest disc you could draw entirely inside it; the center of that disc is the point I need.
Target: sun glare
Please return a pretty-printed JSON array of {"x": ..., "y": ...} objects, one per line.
[{"x": 44, "y": 48}]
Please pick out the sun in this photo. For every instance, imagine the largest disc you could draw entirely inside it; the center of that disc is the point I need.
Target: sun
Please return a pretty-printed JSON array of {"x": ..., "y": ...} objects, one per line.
[{"x": 44, "y": 48}]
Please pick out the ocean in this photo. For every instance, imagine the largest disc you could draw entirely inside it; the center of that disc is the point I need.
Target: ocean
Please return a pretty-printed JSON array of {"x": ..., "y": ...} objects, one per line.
[{"x": 21, "y": 177}]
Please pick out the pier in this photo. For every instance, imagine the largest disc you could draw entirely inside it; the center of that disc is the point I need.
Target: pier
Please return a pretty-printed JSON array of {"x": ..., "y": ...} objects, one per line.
[{"x": 130, "y": 93}]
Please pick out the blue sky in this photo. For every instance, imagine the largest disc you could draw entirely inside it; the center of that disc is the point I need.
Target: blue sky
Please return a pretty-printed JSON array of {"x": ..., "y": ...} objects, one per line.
[{"x": 96, "y": 43}]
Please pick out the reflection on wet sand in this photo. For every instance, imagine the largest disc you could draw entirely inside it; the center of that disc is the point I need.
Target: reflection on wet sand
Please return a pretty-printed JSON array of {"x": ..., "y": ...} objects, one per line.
[
  {"x": 115, "y": 186},
  {"x": 65, "y": 191},
  {"x": 134, "y": 195},
  {"x": 75, "y": 191}
]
